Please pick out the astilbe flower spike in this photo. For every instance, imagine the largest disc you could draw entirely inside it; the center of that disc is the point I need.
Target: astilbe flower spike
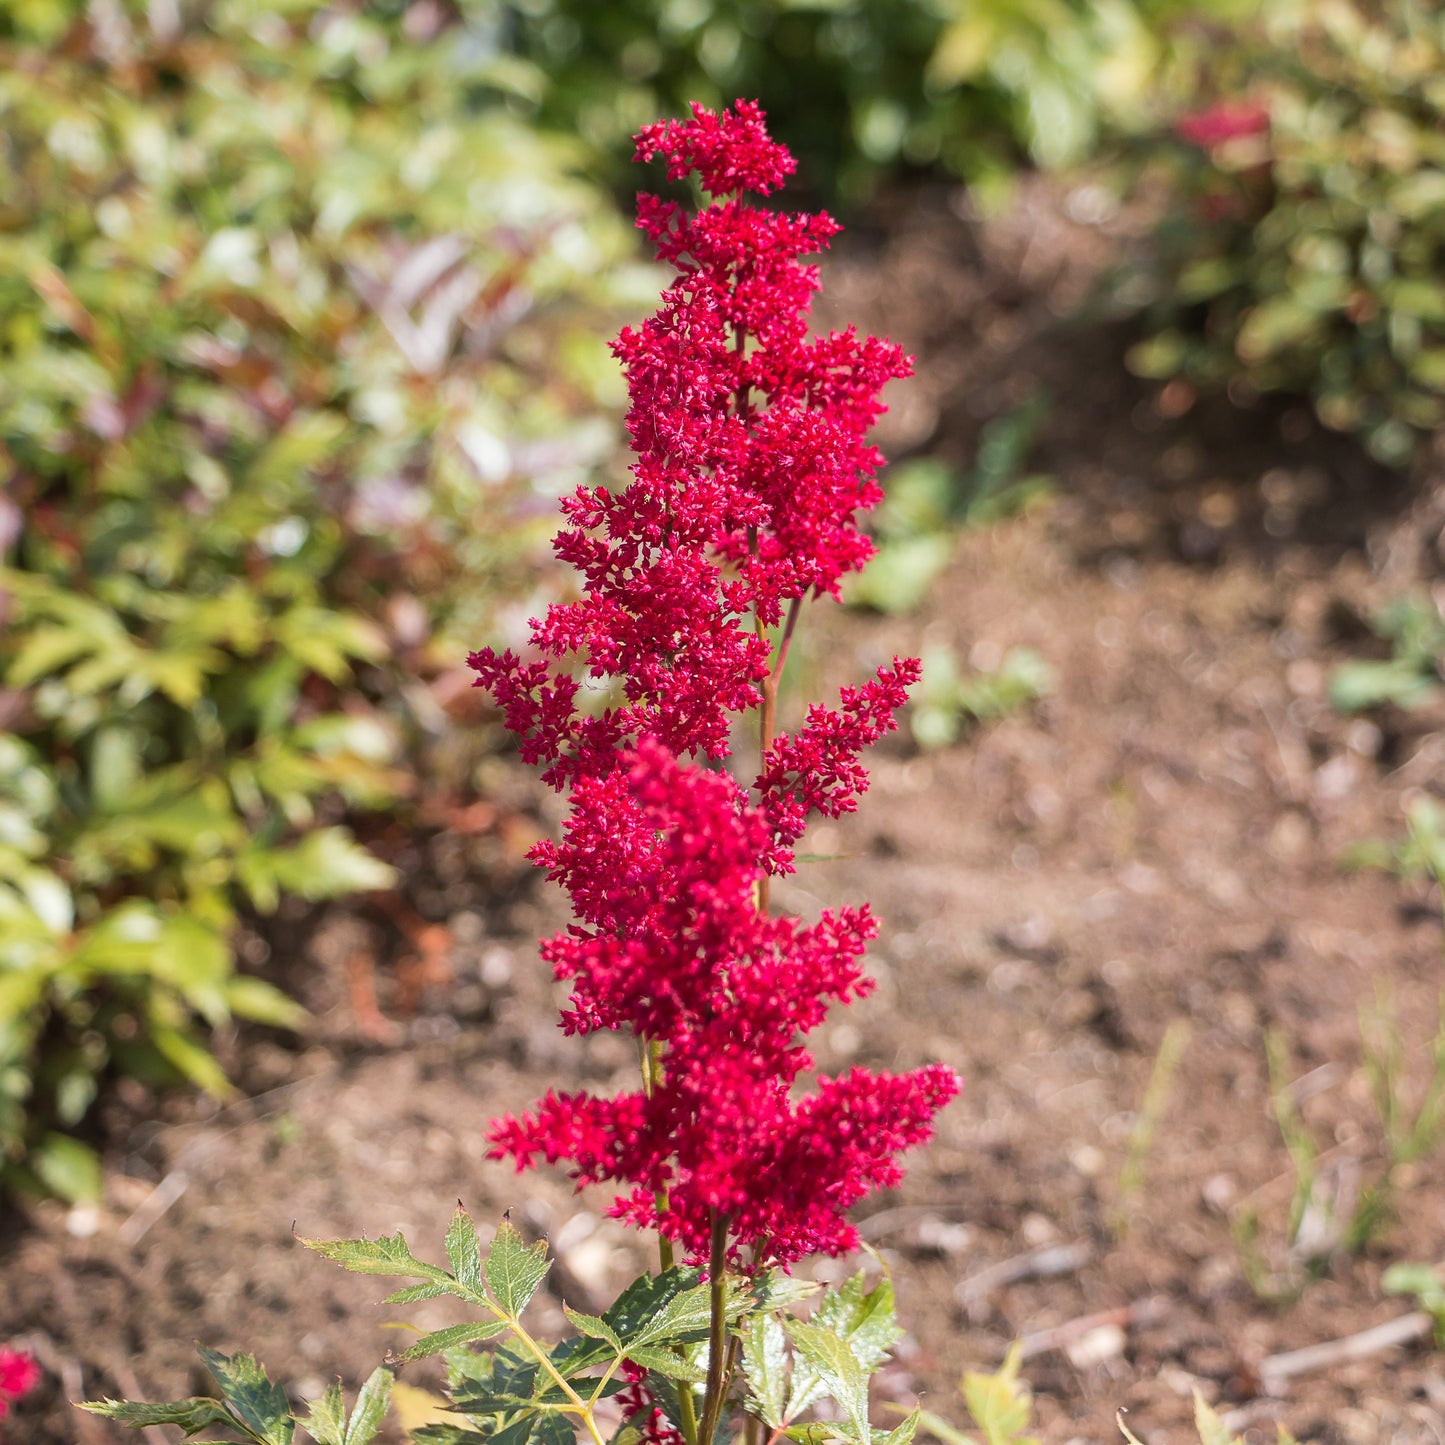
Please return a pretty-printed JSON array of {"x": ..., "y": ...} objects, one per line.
[
  {"x": 752, "y": 467},
  {"x": 19, "y": 1374}
]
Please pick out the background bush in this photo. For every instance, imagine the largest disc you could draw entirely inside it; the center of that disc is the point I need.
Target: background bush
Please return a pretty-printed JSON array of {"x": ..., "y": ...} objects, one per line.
[
  {"x": 863, "y": 87},
  {"x": 1306, "y": 258},
  {"x": 299, "y": 331}
]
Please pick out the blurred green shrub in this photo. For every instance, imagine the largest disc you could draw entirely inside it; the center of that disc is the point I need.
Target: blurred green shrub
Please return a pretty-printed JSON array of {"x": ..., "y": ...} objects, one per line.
[
  {"x": 860, "y": 87},
  {"x": 1410, "y": 676},
  {"x": 1302, "y": 251},
  {"x": 299, "y": 334}
]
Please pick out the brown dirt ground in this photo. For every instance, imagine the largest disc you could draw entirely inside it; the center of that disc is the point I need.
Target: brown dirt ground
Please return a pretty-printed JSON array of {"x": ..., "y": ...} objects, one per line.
[{"x": 1157, "y": 844}]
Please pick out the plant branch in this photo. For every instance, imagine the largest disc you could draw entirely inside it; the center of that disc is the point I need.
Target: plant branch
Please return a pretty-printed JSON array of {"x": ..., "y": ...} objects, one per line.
[
  {"x": 579, "y": 1406},
  {"x": 717, "y": 1332}
]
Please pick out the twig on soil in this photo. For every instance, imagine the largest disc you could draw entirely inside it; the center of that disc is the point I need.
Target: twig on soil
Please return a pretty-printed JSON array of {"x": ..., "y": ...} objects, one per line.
[
  {"x": 887, "y": 1221},
  {"x": 153, "y": 1207},
  {"x": 1043, "y": 1263},
  {"x": 1237, "y": 1421},
  {"x": 1278, "y": 1368},
  {"x": 1057, "y": 1337}
]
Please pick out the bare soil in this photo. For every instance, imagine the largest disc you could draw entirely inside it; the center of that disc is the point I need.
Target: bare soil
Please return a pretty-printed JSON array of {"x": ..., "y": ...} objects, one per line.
[{"x": 1155, "y": 846}]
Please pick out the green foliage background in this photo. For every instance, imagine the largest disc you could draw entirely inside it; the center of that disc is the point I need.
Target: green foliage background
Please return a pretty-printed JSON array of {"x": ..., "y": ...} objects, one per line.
[
  {"x": 861, "y": 88},
  {"x": 1307, "y": 260},
  {"x": 299, "y": 332}
]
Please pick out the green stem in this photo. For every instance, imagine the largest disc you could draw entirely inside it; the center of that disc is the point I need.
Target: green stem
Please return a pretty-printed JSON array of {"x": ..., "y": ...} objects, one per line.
[
  {"x": 581, "y": 1406},
  {"x": 651, "y": 1080},
  {"x": 717, "y": 1344},
  {"x": 687, "y": 1411}
]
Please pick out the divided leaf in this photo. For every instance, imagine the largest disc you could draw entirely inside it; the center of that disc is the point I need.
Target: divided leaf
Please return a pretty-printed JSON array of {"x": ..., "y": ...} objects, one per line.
[
  {"x": 774, "y": 1290},
  {"x": 863, "y": 1321},
  {"x": 439, "y": 1341},
  {"x": 190, "y": 1415},
  {"x": 326, "y": 1419},
  {"x": 256, "y": 1402},
  {"x": 837, "y": 1371},
  {"x": 683, "y": 1315},
  {"x": 903, "y": 1433},
  {"x": 413, "y": 1293},
  {"x": 594, "y": 1328},
  {"x": 388, "y": 1255},
  {"x": 645, "y": 1298},
  {"x": 370, "y": 1408},
  {"x": 1000, "y": 1403},
  {"x": 514, "y": 1270},
  {"x": 463, "y": 1252},
  {"x": 667, "y": 1363},
  {"x": 765, "y": 1366},
  {"x": 865, "y": 1318}
]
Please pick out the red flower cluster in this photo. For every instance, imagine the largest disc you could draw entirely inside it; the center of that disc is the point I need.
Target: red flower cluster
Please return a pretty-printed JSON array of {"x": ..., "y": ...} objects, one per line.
[
  {"x": 1223, "y": 121},
  {"x": 752, "y": 467},
  {"x": 19, "y": 1374}
]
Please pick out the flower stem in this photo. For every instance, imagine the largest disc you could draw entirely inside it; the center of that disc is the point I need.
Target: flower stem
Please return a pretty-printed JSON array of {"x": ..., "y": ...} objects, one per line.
[
  {"x": 717, "y": 1371},
  {"x": 650, "y": 1051},
  {"x": 580, "y": 1406}
]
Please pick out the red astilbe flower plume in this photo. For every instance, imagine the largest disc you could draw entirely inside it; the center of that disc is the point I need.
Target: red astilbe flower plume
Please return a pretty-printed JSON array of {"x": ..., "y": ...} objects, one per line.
[
  {"x": 752, "y": 466},
  {"x": 19, "y": 1374}
]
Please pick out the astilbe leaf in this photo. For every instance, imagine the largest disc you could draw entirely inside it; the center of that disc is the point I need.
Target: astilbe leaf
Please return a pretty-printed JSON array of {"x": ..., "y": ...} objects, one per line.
[
  {"x": 326, "y": 1417},
  {"x": 463, "y": 1251},
  {"x": 190, "y": 1415},
  {"x": 514, "y": 1270},
  {"x": 437, "y": 1342},
  {"x": 387, "y": 1255},
  {"x": 765, "y": 1366},
  {"x": 261, "y": 1405}
]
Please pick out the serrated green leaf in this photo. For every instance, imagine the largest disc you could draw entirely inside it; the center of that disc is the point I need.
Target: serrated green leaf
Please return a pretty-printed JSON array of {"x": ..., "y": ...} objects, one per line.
[
  {"x": 326, "y": 1420},
  {"x": 645, "y": 1298},
  {"x": 514, "y": 1270},
  {"x": 553, "y": 1430},
  {"x": 765, "y": 1366},
  {"x": 667, "y": 1363},
  {"x": 594, "y": 1328},
  {"x": 370, "y": 1408},
  {"x": 775, "y": 1290},
  {"x": 190, "y": 1415},
  {"x": 439, "y": 1341},
  {"x": 413, "y": 1293},
  {"x": 1000, "y": 1403},
  {"x": 837, "y": 1371},
  {"x": 905, "y": 1430},
  {"x": 442, "y": 1434},
  {"x": 388, "y": 1255},
  {"x": 253, "y": 1398},
  {"x": 463, "y": 1251},
  {"x": 683, "y": 1315},
  {"x": 864, "y": 1318}
]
